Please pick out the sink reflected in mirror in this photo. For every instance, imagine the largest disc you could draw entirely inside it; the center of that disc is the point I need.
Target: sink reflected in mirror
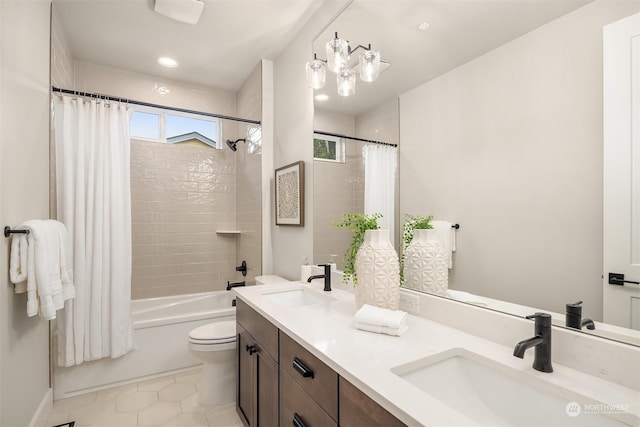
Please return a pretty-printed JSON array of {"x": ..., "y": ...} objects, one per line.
[
  {"x": 491, "y": 393},
  {"x": 297, "y": 297}
]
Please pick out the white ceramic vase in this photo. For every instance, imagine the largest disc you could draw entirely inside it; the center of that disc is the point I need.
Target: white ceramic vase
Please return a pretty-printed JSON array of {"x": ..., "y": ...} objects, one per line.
[
  {"x": 378, "y": 271},
  {"x": 425, "y": 264}
]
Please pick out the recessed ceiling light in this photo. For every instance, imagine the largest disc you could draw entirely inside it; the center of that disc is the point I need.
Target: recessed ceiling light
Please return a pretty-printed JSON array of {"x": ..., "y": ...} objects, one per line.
[
  {"x": 167, "y": 62},
  {"x": 423, "y": 26},
  {"x": 322, "y": 97},
  {"x": 161, "y": 89}
]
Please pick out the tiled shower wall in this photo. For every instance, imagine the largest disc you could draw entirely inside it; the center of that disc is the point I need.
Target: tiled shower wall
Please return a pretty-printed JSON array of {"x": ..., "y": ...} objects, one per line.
[
  {"x": 180, "y": 196},
  {"x": 339, "y": 187},
  {"x": 248, "y": 181}
]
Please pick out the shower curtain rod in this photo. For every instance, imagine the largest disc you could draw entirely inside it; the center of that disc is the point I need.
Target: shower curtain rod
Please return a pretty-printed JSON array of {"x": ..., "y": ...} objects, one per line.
[
  {"x": 337, "y": 135},
  {"x": 148, "y": 104}
]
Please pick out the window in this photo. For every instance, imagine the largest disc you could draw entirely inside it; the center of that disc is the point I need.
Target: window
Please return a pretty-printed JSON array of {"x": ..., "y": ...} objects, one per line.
[
  {"x": 174, "y": 128},
  {"x": 328, "y": 148}
]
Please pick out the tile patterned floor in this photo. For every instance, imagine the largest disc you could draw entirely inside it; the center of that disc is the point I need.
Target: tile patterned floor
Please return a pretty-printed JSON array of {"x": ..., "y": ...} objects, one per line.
[{"x": 167, "y": 401}]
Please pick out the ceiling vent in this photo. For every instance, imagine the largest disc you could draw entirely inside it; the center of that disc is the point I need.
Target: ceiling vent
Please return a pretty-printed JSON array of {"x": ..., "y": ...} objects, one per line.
[{"x": 187, "y": 11}]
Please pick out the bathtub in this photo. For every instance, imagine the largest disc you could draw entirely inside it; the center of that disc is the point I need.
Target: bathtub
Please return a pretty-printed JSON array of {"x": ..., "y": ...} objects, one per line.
[{"x": 161, "y": 326}]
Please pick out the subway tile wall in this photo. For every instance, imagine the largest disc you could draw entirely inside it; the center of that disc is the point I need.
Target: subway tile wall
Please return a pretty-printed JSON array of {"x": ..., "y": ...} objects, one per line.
[
  {"x": 248, "y": 181},
  {"x": 180, "y": 196}
]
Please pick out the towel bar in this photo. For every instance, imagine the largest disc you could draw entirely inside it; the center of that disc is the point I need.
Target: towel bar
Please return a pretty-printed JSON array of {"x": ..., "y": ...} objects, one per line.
[{"x": 8, "y": 231}]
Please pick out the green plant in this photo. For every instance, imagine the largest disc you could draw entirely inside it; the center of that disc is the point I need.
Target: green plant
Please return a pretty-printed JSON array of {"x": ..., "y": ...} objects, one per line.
[
  {"x": 412, "y": 223},
  {"x": 358, "y": 223}
]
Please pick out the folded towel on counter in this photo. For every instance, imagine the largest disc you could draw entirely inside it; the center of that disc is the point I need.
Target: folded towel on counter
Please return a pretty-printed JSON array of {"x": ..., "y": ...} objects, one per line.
[
  {"x": 48, "y": 278},
  {"x": 381, "y": 329},
  {"x": 447, "y": 236},
  {"x": 381, "y": 320}
]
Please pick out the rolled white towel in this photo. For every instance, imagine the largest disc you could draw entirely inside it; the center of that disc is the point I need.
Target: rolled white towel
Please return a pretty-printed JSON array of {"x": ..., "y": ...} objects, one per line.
[
  {"x": 377, "y": 316},
  {"x": 382, "y": 329}
]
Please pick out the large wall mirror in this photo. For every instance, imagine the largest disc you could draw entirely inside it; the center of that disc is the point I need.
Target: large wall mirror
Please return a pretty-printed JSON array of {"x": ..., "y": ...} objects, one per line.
[{"x": 500, "y": 124}]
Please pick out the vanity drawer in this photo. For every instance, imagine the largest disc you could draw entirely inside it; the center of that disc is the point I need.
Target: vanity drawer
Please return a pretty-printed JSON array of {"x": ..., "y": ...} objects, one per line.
[
  {"x": 357, "y": 409},
  {"x": 298, "y": 408},
  {"x": 321, "y": 382},
  {"x": 263, "y": 331}
]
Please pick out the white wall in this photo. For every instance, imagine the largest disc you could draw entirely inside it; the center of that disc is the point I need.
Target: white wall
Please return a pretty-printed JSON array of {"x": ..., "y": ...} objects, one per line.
[
  {"x": 24, "y": 189},
  {"x": 293, "y": 132},
  {"x": 510, "y": 146}
]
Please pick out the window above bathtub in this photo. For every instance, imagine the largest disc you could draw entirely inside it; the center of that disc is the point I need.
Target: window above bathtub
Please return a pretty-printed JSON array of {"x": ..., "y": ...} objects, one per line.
[{"x": 153, "y": 124}]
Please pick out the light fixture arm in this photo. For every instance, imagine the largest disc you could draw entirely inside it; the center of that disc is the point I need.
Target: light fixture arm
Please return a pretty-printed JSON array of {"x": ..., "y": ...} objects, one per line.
[{"x": 359, "y": 47}]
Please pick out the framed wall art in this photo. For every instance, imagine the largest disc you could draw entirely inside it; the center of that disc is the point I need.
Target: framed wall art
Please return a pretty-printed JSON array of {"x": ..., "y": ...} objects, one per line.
[{"x": 289, "y": 183}]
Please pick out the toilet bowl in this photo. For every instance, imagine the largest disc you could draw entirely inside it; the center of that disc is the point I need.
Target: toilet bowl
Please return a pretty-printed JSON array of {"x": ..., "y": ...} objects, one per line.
[{"x": 215, "y": 345}]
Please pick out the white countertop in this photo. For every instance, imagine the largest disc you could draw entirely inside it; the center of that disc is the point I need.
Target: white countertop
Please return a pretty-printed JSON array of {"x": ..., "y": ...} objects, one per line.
[{"x": 365, "y": 359}]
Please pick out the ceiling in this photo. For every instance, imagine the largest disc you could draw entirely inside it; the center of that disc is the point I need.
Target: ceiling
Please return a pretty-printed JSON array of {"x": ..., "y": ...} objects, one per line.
[
  {"x": 460, "y": 30},
  {"x": 219, "y": 51},
  {"x": 233, "y": 35}
]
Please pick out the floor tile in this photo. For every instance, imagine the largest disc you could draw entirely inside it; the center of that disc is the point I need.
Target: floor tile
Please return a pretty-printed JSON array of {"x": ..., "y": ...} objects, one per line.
[
  {"x": 176, "y": 392},
  {"x": 159, "y": 413},
  {"x": 70, "y": 403},
  {"x": 135, "y": 402},
  {"x": 188, "y": 420},
  {"x": 223, "y": 415},
  {"x": 118, "y": 420},
  {"x": 192, "y": 404},
  {"x": 57, "y": 418},
  {"x": 156, "y": 384},
  {"x": 92, "y": 412},
  {"x": 112, "y": 394}
]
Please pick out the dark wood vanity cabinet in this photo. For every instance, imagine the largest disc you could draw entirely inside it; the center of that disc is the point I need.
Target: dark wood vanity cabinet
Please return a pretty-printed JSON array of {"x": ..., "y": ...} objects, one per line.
[
  {"x": 308, "y": 387},
  {"x": 257, "y": 380},
  {"x": 357, "y": 409},
  {"x": 280, "y": 383}
]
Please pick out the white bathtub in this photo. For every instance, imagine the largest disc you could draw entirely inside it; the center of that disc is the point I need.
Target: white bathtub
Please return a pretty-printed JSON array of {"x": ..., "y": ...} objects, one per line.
[{"x": 161, "y": 326}]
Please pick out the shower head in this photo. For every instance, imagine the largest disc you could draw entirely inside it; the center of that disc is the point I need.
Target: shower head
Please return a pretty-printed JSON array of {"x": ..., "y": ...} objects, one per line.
[{"x": 232, "y": 144}]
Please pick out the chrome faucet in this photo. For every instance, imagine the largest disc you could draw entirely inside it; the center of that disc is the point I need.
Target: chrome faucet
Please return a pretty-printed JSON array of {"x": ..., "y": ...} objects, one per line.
[
  {"x": 541, "y": 341},
  {"x": 573, "y": 318},
  {"x": 326, "y": 276}
]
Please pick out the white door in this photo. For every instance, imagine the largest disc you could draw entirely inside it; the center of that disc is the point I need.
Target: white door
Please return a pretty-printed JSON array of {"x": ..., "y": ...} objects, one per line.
[{"x": 621, "y": 300}]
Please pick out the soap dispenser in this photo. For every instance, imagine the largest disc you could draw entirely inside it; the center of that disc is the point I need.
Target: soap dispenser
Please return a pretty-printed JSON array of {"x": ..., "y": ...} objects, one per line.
[
  {"x": 332, "y": 262},
  {"x": 573, "y": 318}
]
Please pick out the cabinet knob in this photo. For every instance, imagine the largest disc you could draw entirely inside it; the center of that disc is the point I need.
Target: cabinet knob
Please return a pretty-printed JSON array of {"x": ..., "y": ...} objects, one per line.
[
  {"x": 297, "y": 421},
  {"x": 252, "y": 349}
]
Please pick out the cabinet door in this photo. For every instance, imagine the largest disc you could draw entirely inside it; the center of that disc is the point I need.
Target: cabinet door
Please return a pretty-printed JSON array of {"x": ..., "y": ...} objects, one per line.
[
  {"x": 246, "y": 380},
  {"x": 267, "y": 389},
  {"x": 357, "y": 409}
]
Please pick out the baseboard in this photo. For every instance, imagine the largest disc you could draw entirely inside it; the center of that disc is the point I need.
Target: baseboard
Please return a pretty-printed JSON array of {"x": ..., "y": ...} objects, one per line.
[{"x": 44, "y": 409}]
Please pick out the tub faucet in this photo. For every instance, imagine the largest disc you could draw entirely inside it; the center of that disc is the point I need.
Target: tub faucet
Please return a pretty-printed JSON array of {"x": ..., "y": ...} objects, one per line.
[
  {"x": 541, "y": 341},
  {"x": 326, "y": 276},
  {"x": 573, "y": 317},
  {"x": 234, "y": 285}
]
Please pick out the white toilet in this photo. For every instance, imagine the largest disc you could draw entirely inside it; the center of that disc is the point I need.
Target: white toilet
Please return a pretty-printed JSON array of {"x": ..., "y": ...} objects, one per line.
[{"x": 215, "y": 344}]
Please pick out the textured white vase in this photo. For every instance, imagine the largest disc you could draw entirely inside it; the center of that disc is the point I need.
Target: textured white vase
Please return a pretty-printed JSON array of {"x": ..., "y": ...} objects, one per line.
[
  {"x": 425, "y": 264},
  {"x": 378, "y": 271}
]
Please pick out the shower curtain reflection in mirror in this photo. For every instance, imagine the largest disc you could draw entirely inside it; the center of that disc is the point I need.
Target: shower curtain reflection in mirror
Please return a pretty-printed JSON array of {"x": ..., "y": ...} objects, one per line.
[
  {"x": 380, "y": 166},
  {"x": 92, "y": 150}
]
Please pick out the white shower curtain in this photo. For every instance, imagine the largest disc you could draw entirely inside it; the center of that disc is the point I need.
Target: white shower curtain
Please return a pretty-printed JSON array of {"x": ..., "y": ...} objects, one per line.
[
  {"x": 92, "y": 151},
  {"x": 380, "y": 165}
]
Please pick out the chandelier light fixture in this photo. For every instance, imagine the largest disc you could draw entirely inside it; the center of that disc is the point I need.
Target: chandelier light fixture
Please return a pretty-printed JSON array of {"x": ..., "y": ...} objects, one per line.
[{"x": 339, "y": 55}]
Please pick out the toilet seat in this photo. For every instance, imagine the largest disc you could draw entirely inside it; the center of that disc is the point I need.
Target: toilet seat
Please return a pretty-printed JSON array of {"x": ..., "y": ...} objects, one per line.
[{"x": 215, "y": 333}]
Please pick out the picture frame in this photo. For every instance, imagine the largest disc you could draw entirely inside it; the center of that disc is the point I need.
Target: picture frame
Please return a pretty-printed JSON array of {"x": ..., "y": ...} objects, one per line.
[{"x": 289, "y": 192}]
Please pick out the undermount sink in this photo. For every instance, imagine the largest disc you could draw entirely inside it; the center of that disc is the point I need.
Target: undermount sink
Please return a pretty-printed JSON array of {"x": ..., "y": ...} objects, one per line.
[
  {"x": 297, "y": 297},
  {"x": 494, "y": 394}
]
